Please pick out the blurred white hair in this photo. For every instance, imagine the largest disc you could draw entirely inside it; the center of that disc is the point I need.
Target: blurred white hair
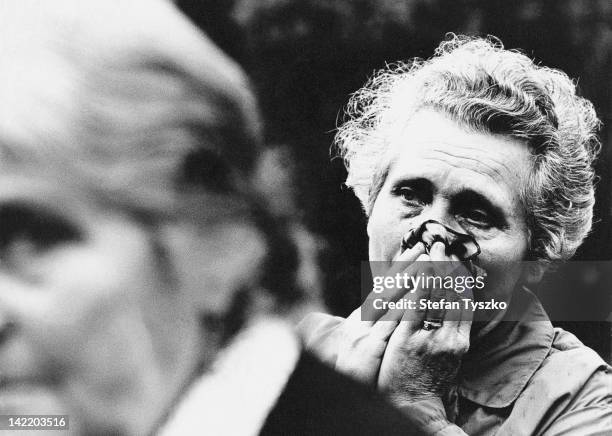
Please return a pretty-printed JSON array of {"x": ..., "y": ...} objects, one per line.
[{"x": 118, "y": 94}]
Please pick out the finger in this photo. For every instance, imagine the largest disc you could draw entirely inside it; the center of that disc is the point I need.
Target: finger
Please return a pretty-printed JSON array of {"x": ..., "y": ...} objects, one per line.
[
  {"x": 384, "y": 328},
  {"x": 459, "y": 291},
  {"x": 467, "y": 314},
  {"x": 362, "y": 316},
  {"x": 406, "y": 258},
  {"x": 395, "y": 312},
  {"x": 443, "y": 263},
  {"x": 454, "y": 271},
  {"x": 438, "y": 251},
  {"x": 360, "y": 349},
  {"x": 412, "y": 320},
  {"x": 376, "y": 304},
  {"x": 420, "y": 270},
  {"x": 423, "y": 258},
  {"x": 361, "y": 361},
  {"x": 455, "y": 312},
  {"x": 457, "y": 316},
  {"x": 381, "y": 329},
  {"x": 452, "y": 340},
  {"x": 399, "y": 262},
  {"x": 435, "y": 310},
  {"x": 458, "y": 322},
  {"x": 436, "y": 306}
]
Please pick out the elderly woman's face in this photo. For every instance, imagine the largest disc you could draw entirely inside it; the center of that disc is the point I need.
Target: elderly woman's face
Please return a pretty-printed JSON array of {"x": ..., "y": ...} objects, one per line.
[
  {"x": 469, "y": 181},
  {"x": 90, "y": 326}
]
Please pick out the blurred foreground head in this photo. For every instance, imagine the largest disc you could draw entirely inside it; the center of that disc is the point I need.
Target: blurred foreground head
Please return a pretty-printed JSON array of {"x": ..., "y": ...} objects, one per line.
[{"x": 126, "y": 139}]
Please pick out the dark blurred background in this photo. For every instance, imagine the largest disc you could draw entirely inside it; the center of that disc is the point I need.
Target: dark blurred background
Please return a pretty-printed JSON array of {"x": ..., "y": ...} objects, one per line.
[{"x": 305, "y": 57}]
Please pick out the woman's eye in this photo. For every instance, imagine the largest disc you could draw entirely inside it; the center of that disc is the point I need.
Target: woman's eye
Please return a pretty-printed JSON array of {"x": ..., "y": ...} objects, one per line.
[
  {"x": 26, "y": 231},
  {"x": 410, "y": 196},
  {"x": 478, "y": 218}
]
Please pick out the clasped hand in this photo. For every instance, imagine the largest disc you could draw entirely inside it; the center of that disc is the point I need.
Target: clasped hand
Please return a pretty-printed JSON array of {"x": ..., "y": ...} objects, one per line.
[{"x": 389, "y": 348}]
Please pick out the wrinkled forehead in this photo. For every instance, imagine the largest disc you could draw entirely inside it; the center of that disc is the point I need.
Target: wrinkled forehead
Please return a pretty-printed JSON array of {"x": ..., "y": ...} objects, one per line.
[
  {"x": 428, "y": 131},
  {"x": 431, "y": 146}
]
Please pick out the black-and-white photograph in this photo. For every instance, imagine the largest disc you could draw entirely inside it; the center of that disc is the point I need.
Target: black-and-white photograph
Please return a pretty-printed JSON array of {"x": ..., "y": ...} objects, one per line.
[{"x": 306, "y": 217}]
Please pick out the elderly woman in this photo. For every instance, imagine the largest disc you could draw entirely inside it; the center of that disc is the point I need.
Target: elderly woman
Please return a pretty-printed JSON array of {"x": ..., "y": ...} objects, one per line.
[
  {"x": 125, "y": 231},
  {"x": 477, "y": 144},
  {"x": 131, "y": 247}
]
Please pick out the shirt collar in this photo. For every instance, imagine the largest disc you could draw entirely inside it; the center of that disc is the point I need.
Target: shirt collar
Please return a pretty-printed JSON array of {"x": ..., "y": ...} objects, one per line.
[
  {"x": 499, "y": 364},
  {"x": 237, "y": 394}
]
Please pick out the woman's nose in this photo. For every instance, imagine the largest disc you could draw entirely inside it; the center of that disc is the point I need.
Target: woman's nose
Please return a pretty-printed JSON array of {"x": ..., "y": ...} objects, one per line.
[
  {"x": 427, "y": 231},
  {"x": 13, "y": 305},
  {"x": 437, "y": 223},
  {"x": 7, "y": 326}
]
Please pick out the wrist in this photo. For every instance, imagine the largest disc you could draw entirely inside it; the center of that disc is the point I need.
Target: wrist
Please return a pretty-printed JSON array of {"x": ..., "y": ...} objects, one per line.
[
  {"x": 431, "y": 402},
  {"x": 427, "y": 413}
]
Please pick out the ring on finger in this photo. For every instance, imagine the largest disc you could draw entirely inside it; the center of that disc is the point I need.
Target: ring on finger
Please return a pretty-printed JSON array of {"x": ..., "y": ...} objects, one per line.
[{"x": 431, "y": 324}]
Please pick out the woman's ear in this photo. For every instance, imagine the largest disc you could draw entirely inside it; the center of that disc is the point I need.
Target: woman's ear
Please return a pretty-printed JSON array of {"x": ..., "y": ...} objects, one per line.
[{"x": 533, "y": 270}]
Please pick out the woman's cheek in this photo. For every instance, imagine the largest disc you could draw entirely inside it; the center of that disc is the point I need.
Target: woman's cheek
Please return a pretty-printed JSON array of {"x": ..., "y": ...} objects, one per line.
[
  {"x": 385, "y": 230},
  {"x": 503, "y": 247},
  {"x": 89, "y": 297},
  {"x": 384, "y": 240},
  {"x": 502, "y": 258}
]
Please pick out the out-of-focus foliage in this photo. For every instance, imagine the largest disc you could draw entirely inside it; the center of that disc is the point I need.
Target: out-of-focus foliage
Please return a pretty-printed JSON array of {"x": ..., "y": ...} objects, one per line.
[{"x": 340, "y": 19}]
